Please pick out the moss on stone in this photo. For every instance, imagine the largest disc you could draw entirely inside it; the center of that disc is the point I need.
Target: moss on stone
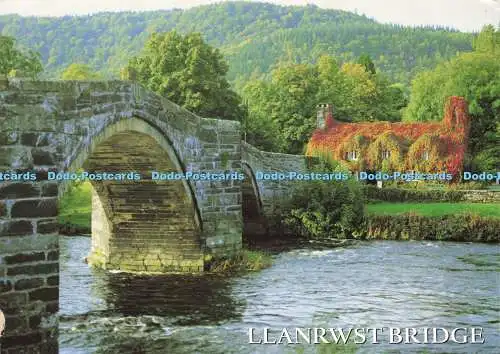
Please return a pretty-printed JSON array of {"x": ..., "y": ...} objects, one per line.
[{"x": 243, "y": 261}]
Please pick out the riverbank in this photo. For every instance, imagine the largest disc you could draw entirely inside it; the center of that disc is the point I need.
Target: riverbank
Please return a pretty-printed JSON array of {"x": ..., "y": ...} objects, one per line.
[
  {"x": 75, "y": 215},
  {"x": 411, "y": 226},
  {"x": 442, "y": 221}
]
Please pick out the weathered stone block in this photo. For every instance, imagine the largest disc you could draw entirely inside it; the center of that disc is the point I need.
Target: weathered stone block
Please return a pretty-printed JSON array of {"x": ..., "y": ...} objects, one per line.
[
  {"x": 15, "y": 228},
  {"x": 47, "y": 226},
  {"x": 53, "y": 255},
  {"x": 53, "y": 280},
  {"x": 44, "y": 294},
  {"x": 15, "y": 323},
  {"x": 12, "y": 302},
  {"x": 23, "y": 340},
  {"x": 43, "y": 208},
  {"x": 44, "y": 268},
  {"x": 5, "y": 285},
  {"x": 42, "y": 158},
  {"x": 19, "y": 190},
  {"x": 29, "y": 283},
  {"x": 35, "y": 321},
  {"x": 24, "y": 258},
  {"x": 52, "y": 307}
]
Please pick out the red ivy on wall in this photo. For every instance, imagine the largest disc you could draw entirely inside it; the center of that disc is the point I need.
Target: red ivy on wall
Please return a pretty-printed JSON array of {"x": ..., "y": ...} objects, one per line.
[{"x": 452, "y": 131}]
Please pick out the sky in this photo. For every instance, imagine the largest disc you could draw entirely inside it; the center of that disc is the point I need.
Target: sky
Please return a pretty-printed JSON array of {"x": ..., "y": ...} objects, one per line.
[{"x": 465, "y": 15}]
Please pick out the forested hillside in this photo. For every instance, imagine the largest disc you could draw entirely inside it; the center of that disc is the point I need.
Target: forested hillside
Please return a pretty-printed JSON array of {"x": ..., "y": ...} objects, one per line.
[{"x": 254, "y": 37}]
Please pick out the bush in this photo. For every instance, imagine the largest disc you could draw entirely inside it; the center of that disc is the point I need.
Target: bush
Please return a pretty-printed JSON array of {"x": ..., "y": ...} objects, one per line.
[
  {"x": 319, "y": 209},
  {"x": 412, "y": 195},
  {"x": 469, "y": 228}
]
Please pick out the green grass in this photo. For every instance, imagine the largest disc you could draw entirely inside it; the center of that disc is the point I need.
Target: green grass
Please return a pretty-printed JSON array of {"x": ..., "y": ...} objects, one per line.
[
  {"x": 76, "y": 206},
  {"x": 490, "y": 210}
]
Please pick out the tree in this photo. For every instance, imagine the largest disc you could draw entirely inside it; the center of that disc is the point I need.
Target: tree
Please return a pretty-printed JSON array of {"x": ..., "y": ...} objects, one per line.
[
  {"x": 284, "y": 109},
  {"x": 190, "y": 73},
  {"x": 487, "y": 41},
  {"x": 14, "y": 62},
  {"x": 367, "y": 62},
  {"x": 475, "y": 76},
  {"x": 79, "y": 72}
]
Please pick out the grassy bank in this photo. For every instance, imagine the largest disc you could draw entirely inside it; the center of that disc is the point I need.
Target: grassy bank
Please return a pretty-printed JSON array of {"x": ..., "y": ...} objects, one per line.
[
  {"x": 76, "y": 209},
  {"x": 435, "y": 209}
]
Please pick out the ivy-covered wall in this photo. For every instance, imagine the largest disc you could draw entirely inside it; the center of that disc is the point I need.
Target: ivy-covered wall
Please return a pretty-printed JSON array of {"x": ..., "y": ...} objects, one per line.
[{"x": 383, "y": 146}]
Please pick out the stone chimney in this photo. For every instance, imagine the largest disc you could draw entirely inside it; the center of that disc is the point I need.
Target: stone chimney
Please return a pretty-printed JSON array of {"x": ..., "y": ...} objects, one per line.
[{"x": 325, "y": 111}]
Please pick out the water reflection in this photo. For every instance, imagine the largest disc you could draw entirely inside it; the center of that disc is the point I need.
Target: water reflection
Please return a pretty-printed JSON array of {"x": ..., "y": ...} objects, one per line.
[{"x": 192, "y": 299}]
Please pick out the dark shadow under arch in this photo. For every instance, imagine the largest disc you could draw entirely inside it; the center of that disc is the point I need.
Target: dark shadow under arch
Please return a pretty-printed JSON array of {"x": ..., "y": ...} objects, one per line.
[{"x": 254, "y": 223}]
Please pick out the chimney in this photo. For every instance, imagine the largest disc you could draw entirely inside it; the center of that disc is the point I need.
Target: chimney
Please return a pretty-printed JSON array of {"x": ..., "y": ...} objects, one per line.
[{"x": 325, "y": 111}]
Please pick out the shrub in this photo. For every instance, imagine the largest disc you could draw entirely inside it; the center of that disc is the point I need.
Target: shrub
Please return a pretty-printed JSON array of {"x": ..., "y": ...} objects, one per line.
[
  {"x": 469, "y": 228},
  {"x": 411, "y": 195},
  {"x": 320, "y": 209}
]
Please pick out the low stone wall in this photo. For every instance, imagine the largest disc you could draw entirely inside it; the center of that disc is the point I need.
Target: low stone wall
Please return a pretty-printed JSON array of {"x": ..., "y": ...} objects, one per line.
[{"x": 482, "y": 196}]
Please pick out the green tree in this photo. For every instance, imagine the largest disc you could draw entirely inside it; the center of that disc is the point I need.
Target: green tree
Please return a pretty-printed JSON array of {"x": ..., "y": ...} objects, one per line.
[
  {"x": 79, "y": 72},
  {"x": 367, "y": 62},
  {"x": 475, "y": 76},
  {"x": 190, "y": 73},
  {"x": 15, "y": 62},
  {"x": 487, "y": 41}
]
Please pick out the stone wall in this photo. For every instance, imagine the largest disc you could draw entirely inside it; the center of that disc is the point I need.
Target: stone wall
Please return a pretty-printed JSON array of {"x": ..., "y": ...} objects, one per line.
[
  {"x": 481, "y": 196},
  {"x": 272, "y": 193}
]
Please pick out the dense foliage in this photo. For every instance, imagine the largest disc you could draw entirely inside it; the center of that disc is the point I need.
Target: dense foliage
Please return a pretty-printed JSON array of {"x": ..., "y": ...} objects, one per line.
[
  {"x": 382, "y": 146},
  {"x": 15, "y": 62},
  {"x": 470, "y": 228},
  {"x": 253, "y": 37},
  {"x": 282, "y": 111},
  {"x": 411, "y": 195},
  {"x": 325, "y": 209},
  {"x": 189, "y": 72},
  {"x": 79, "y": 72},
  {"x": 475, "y": 76}
]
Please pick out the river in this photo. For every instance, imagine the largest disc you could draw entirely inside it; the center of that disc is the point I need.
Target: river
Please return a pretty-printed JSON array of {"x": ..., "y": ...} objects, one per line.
[{"x": 370, "y": 284}]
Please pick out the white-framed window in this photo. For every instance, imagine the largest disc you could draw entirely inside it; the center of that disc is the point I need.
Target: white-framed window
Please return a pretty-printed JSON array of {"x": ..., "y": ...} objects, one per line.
[
  {"x": 386, "y": 154},
  {"x": 425, "y": 155},
  {"x": 352, "y": 155}
]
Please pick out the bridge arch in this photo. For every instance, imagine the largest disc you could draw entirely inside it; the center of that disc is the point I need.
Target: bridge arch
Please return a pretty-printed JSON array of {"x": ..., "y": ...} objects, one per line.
[
  {"x": 140, "y": 225},
  {"x": 254, "y": 222}
]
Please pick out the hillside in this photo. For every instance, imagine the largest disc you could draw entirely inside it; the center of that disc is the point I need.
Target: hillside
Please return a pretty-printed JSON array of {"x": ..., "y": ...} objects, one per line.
[{"x": 253, "y": 37}]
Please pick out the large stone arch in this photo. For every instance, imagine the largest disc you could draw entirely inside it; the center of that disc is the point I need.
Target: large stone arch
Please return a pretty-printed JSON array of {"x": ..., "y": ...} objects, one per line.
[
  {"x": 139, "y": 225},
  {"x": 54, "y": 126}
]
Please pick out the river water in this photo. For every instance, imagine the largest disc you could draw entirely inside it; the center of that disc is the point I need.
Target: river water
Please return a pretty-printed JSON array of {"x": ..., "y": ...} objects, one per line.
[{"x": 369, "y": 284}]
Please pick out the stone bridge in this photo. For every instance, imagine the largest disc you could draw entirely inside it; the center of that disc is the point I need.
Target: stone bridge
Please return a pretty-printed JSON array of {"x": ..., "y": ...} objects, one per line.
[{"x": 137, "y": 225}]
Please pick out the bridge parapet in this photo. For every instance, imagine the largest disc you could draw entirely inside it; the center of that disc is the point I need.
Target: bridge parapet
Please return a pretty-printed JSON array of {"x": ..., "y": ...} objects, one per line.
[{"x": 272, "y": 192}]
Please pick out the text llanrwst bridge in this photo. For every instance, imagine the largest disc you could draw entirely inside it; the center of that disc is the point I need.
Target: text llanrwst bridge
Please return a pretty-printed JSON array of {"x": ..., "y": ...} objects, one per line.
[{"x": 137, "y": 226}]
